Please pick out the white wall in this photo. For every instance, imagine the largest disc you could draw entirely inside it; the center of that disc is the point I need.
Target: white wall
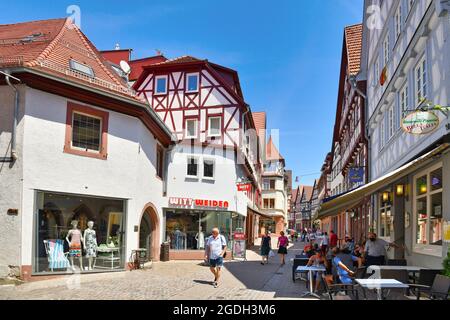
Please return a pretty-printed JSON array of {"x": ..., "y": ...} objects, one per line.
[{"x": 128, "y": 173}]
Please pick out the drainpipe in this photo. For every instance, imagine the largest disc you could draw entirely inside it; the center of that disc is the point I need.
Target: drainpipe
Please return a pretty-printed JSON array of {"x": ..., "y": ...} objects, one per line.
[{"x": 16, "y": 113}]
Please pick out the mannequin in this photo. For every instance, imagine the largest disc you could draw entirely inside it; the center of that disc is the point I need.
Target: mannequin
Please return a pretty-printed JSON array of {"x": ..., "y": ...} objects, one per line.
[
  {"x": 200, "y": 237},
  {"x": 75, "y": 244},
  {"x": 90, "y": 243}
]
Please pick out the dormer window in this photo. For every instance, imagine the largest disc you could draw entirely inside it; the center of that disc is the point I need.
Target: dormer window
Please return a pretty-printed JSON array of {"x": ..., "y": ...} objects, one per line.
[
  {"x": 82, "y": 68},
  {"x": 192, "y": 82},
  {"x": 161, "y": 85}
]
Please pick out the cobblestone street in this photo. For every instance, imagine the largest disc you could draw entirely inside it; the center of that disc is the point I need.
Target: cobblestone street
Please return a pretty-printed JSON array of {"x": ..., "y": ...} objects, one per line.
[{"x": 184, "y": 280}]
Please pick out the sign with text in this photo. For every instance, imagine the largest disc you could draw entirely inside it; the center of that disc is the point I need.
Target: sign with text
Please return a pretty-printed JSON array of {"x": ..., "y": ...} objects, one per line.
[
  {"x": 356, "y": 175},
  {"x": 198, "y": 203},
  {"x": 420, "y": 122},
  {"x": 244, "y": 187}
]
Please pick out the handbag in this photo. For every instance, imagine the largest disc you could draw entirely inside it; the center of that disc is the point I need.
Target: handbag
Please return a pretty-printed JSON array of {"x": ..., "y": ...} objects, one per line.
[{"x": 271, "y": 254}]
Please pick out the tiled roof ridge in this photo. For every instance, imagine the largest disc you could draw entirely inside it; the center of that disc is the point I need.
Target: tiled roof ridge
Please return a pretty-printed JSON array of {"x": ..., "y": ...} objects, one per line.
[
  {"x": 45, "y": 53},
  {"x": 177, "y": 58}
]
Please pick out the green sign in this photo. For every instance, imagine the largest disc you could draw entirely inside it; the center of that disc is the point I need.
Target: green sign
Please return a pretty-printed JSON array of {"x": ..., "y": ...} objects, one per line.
[{"x": 420, "y": 122}]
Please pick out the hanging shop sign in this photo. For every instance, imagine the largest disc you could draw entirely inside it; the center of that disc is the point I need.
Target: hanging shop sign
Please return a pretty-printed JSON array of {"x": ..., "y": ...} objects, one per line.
[
  {"x": 356, "y": 175},
  {"x": 244, "y": 187},
  {"x": 420, "y": 122},
  {"x": 198, "y": 203}
]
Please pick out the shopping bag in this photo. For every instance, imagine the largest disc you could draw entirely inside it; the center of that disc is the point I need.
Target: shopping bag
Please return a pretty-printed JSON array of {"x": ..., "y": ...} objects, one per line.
[{"x": 271, "y": 254}]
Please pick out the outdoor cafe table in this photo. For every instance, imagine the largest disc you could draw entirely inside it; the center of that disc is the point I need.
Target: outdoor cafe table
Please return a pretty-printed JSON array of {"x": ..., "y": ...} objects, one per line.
[
  {"x": 380, "y": 284},
  {"x": 311, "y": 269},
  {"x": 412, "y": 269}
]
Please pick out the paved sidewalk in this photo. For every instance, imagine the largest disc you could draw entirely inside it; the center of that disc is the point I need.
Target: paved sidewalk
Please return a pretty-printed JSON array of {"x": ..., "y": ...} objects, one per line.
[{"x": 181, "y": 280}]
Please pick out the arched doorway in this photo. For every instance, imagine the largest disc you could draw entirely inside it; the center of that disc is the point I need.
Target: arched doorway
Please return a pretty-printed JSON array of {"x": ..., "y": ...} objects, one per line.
[{"x": 149, "y": 232}]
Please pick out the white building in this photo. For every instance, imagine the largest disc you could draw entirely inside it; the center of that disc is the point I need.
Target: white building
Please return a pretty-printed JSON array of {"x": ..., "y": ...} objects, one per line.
[{"x": 82, "y": 147}]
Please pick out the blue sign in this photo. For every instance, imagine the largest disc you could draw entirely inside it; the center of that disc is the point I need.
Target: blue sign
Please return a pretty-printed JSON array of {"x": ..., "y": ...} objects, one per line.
[{"x": 356, "y": 175}]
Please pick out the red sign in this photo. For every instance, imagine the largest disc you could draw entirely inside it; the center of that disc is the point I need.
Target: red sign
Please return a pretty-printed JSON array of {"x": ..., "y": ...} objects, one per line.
[
  {"x": 239, "y": 236},
  {"x": 244, "y": 187},
  {"x": 188, "y": 202}
]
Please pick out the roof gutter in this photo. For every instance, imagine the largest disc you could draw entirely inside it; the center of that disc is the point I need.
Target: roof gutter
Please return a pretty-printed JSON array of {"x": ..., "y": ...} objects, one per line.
[
  {"x": 8, "y": 77},
  {"x": 141, "y": 105}
]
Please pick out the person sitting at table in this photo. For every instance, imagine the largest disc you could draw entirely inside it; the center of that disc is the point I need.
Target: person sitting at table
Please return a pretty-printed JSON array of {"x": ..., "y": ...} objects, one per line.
[
  {"x": 343, "y": 268},
  {"x": 308, "y": 248},
  {"x": 317, "y": 260}
]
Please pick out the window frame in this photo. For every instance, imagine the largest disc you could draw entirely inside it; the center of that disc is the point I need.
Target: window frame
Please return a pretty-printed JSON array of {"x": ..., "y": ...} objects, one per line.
[
  {"x": 209, "y": 126},
  {"x": 423, "y": 83},
  {"x": 186, "y": 136},
  {"x": 166, "y": 78},
  {"x": 196, "y": 158},
  {"x": 206, "y": 159},
  {"x": 388, "y": 206},
  {"x": 386, "y": 49},
  {"x": 426, "y": 249},
  {"x": 187, "y": 82},
  {"x": 73, "y": 108}
]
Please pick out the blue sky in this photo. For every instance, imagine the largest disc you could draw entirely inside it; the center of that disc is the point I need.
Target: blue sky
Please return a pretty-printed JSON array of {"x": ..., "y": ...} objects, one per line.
[{"x": 287, "y": 53}]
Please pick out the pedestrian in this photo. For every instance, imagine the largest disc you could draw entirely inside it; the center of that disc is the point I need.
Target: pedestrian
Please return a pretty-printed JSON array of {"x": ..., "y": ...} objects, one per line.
[
  {"x": 324, "y": 243},
  {"x": 375, "y": 250},
  {"x": 216, "y": 248},
  {"x": 333, "y": 239},
  {"x": 265, "y": 248},
  {"x": 282, "y": 247}
]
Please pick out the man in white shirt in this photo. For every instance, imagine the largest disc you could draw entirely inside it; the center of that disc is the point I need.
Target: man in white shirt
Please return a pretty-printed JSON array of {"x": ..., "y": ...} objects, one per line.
[
  {"x": 216, "y": 246},
  {"x": 376, "y": 250}
]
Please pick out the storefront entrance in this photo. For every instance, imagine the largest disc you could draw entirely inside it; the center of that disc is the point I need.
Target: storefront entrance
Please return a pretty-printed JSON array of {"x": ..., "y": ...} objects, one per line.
[{"x": 149, "y": 232}]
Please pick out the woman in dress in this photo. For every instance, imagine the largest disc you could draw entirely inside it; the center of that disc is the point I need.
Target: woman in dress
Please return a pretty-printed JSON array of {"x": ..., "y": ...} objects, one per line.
[
  {"x": 282, "y": 247},
  {"x": 265, "y": 247}
]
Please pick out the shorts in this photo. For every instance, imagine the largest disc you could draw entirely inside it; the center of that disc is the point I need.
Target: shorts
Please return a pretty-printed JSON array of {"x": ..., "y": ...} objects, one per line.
[{"x": 216, "y": 262}]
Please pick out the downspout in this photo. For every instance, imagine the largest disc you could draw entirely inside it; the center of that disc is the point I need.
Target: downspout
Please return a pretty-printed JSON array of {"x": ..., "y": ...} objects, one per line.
[{"x": 16, "y": 113}]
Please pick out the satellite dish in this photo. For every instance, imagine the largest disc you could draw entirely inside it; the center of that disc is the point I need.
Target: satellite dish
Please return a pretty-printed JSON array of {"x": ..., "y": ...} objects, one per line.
[{"x": 125, "y": 67}]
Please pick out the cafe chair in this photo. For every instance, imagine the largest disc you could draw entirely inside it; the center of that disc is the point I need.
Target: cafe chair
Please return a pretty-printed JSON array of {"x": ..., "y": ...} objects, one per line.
[
  {"x": 334, "y": 291},
  {"x": 438, "y": 290},
  {"x": 296, "y": 263},
  {"x": 57, "y": 258},
  {"x": 426, "y": 276}
]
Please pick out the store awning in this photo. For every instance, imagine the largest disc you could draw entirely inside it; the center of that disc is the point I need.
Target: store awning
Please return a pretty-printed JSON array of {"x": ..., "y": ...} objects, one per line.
[
  {"x": 352, "y": 198},
  {"x": 256, "y": 211}
]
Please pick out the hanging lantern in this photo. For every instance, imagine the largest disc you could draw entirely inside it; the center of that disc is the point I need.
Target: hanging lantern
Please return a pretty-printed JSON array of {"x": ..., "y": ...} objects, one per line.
[{"x": 383, "y": 76}]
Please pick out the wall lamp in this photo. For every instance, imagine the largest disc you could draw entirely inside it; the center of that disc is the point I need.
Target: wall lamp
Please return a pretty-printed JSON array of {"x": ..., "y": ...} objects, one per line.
[{"x": 400, "y": 190}]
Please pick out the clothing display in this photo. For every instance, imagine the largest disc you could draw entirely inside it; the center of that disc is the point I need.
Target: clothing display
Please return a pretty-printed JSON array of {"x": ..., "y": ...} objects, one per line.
[
  {"x": 200, "y": 237},
  {"x": 180, "y": 240},
  {"x": 75, "y": 243},
  {"x": 90, "y": 243}
]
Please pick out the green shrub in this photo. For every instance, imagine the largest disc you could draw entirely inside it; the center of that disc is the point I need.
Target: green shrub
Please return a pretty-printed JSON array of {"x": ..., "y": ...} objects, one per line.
[{"x": 446, "y": 264}]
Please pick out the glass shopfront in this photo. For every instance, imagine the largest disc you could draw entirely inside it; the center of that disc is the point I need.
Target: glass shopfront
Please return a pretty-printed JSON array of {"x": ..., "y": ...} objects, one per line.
[
  {"x": 189, "y": 229},
  {"x": 78, "y": 233}
]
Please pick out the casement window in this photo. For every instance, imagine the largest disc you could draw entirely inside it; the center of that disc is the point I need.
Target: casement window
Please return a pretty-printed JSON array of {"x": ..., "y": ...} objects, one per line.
[
  {"x": 192, "y": 82},
  {"x": 403, "y": 99},
  {"x": 421, "y": 80},
  {"x": 428, "y": 210},
  {"x": 192, "y": 167},
  {"x": 191, "y": 128},
  {"x": 391, "y": 122},
  {"x": 161, "y": 85},
  {"x": 208, "y": 168},
  {"x": 398, "y": 21},
  {"x": 86, "y": 131},
  {"x": 159, "y": 161},
  {"x": 382, "y": 133},
  {"x": 214, "y": 126},
  {"x": 271, "y": 203},
  {"x": 386, "y": 49},
  {"x": 385, "y": 214},
  {"x": 269, "y": 184}
]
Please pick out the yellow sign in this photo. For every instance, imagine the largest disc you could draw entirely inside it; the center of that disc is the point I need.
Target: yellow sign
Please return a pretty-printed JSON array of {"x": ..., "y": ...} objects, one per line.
[{"x": 447, "y": 231}]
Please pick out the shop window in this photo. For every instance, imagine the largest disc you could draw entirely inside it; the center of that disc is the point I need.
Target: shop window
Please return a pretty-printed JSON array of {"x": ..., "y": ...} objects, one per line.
[
  {"x": 63, "y": 221},
  {"x": 208, "y": 169},
  {"x": 214, "y": 126},
  {"x": 191, "y": 129},
  {"x": 192, "y": 167},
  {"x": 86, "y": 131},
  {"x": 159, "y": 161},
  {"x": 192, "y": 82},
  {"x": 385, "y": 212},
  {"x": 161, "y": 85},
  {"x": 428, "y": 208}
]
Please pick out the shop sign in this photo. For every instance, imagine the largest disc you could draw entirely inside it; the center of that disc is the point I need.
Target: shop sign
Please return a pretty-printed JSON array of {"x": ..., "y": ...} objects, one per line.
[
  {"x": 244, "y": 187},
  {"x": 239, "y": 236},
  {"x": 356, "y": 175},
  {"x": 188, "y": 202},
  {"x": 420, "y": 122}
]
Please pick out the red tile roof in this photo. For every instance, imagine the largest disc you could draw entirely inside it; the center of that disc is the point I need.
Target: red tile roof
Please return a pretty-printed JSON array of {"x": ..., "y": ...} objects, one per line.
[
  {"x": 259, "y": 118},
  {"x": 137, "y": 66},
  {"x": 272, "y": 152},
  {"x": 183, "y": 59},
  {"x": 49, "y": 45},
  {"x": 353, "y": 39}
]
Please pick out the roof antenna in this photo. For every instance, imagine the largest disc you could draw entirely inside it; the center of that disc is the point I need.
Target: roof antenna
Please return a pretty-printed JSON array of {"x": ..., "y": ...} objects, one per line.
[{"x": 117, "y": 47}]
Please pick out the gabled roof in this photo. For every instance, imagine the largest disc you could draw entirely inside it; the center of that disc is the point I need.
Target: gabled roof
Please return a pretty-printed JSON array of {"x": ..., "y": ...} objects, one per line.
[
  {"x": 272, "y": 152},
  {"x": 50, "y": 45},
  {"x": 260, "y": 120},
  {"x": 294, "y": 193},
  {"x": 353, "y": 41},
  {"x": 306, "y": 192}
]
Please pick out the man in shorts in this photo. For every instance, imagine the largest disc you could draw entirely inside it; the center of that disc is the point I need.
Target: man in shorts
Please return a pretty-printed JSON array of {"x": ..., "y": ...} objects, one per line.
[{"x": 216, "y": 246}]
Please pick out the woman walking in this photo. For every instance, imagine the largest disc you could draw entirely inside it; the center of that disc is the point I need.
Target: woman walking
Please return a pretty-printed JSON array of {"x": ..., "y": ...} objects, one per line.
[
  {"x": 282, "y": 247},
  {"x": 265, "y": 247}
]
